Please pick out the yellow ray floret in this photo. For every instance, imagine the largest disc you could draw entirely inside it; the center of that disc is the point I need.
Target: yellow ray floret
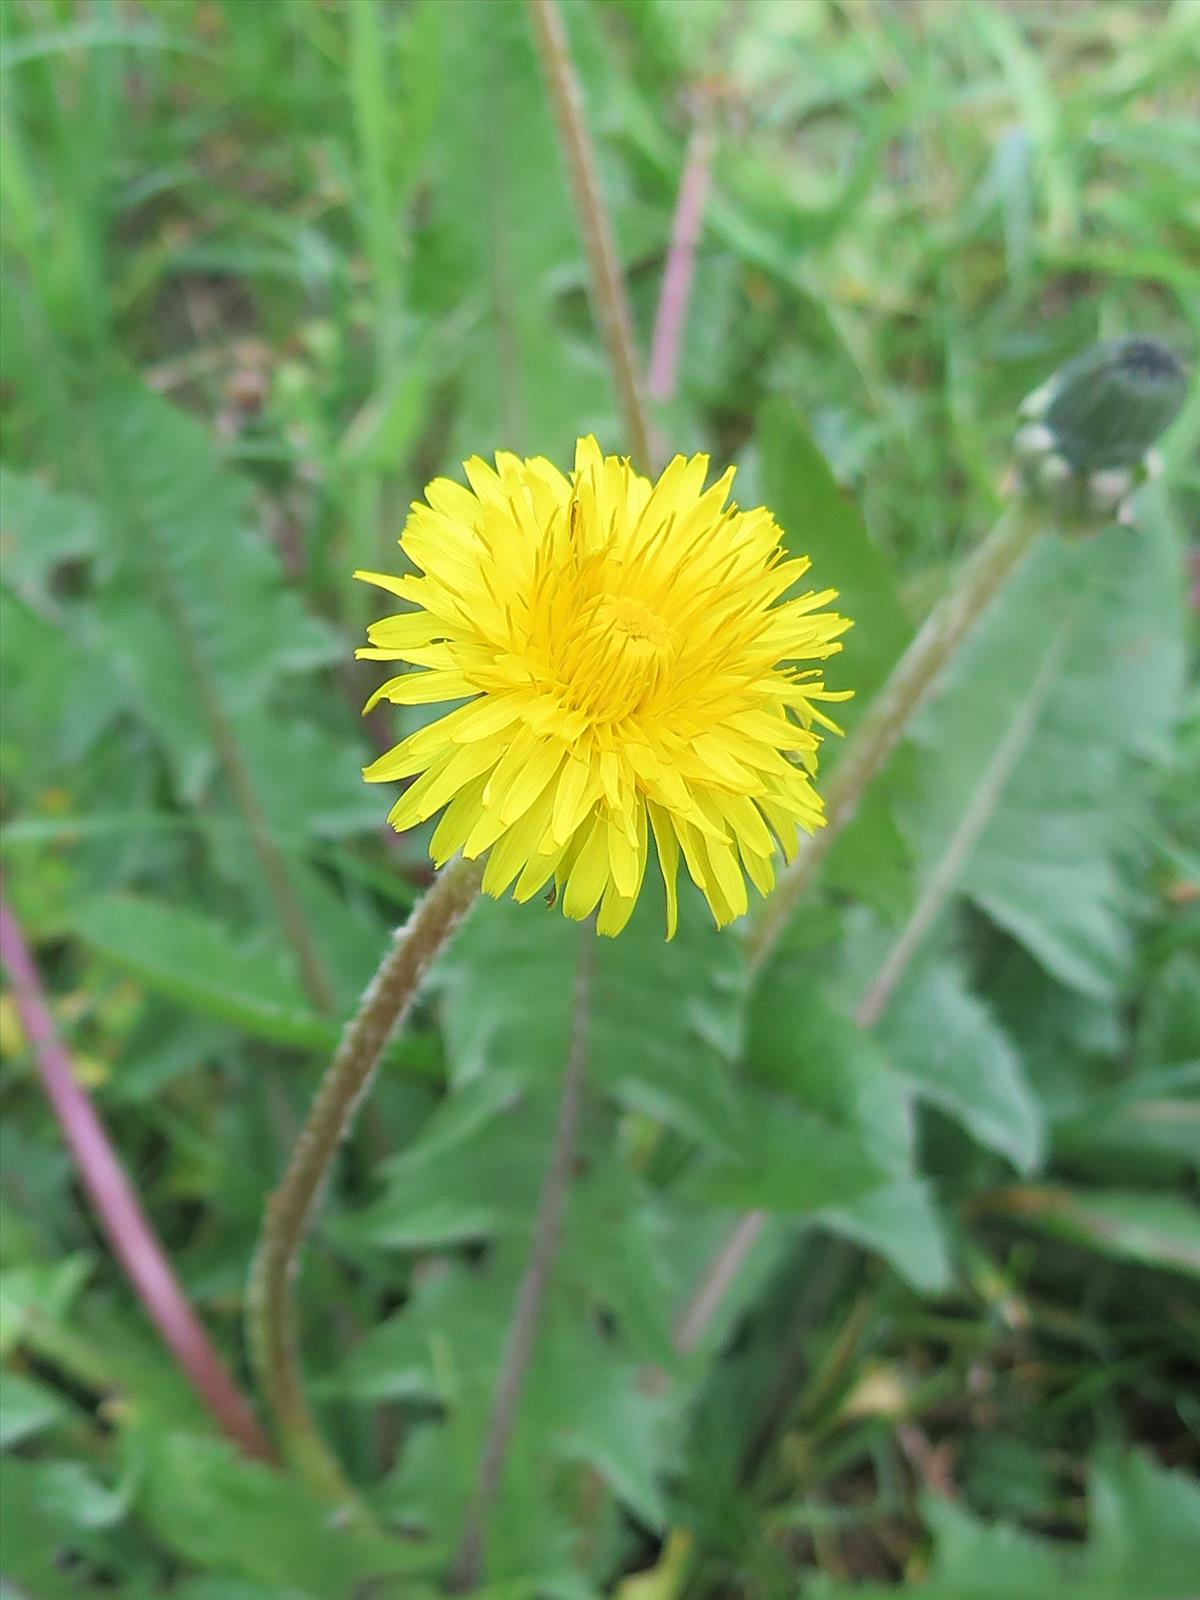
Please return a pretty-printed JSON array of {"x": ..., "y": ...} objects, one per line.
[{"x": 632, "y": 667}]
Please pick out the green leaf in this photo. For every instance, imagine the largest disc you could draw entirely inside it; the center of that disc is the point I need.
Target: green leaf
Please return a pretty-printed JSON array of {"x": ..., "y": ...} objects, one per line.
[
  {"x": 25, "y": 1408},
  {"x": 74, "y": 1497},
  {"x": 798, "y": 1042},
  {"x": 903, "y": 1224},
  {"x": 35, "y": 1292},
  {"x": 1028, "y": 782},
  {"x": 1151, "y": 1120},
  {"x": 34, "y": 1539},
  {"x": 664, "y": 1019},
  {"x": 195, "y": 961},
  {"x": 819, "y": 519},
  {"x": 446, "y": 1190},
  {"x": 798, "y": 1162},
  {"x": 41, "y": 529},
  {"x": 945, "y": 1042},
  {"x": 198, "y": 622},
  {"x": 49, "y": 727},
  {"x": 237, "y": 1517},
  {"x": 475, "y": 1174},
  {"x": 501, "y": 245},
  {"x": 1160, "y": 1230},
  {"x": 1145, "y": 1529},
  {"x": 446, "y": 1347},
  {"x": 1144, "y": 1541}
]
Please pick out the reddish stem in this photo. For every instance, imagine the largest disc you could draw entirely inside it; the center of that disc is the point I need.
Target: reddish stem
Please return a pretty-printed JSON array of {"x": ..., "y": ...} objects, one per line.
[
  {"x": 129, "y": 1233},
  {"x": 681, "y": 261}
]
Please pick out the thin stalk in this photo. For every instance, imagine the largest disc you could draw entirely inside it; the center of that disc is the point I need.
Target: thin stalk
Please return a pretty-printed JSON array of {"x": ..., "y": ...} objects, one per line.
[
  {"x": 866, "y": 752},
  {"x": 888, "y": 715},
  {"x": 681, "y": 261},
  {"x": 714, "y": 1286},
  {"x": 271, "y": 1310},
  {"x": 133, "y": 1240},
  {"x": 531, "y": 1294},
  {"x": 382, "y": 220},
  {"x": 607, "y": 284}
]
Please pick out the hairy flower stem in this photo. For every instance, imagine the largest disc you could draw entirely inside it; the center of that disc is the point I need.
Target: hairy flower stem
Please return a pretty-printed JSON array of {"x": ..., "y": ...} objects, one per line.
[
  {"x": 888, "y": 715},
  {"x": 531, "y": 1294},
  {"x": 133, "y": 1240},
  {"x": 271, "y": 1308},
  {"x": 609, "y": 300},
  {"x": 867, "y": 749}
]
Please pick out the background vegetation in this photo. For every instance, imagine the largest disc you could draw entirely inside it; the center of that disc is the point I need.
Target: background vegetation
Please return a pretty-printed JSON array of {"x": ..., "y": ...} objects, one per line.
[{"x": 270, "y": 265}]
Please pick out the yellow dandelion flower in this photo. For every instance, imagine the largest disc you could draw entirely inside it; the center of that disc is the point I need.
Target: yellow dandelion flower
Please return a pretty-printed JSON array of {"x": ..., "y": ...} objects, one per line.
[{"x": 628, "y": 667}]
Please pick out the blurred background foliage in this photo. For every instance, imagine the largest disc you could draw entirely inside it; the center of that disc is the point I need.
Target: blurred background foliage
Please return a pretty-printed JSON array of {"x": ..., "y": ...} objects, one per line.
[{"x": 268, "y": 266}]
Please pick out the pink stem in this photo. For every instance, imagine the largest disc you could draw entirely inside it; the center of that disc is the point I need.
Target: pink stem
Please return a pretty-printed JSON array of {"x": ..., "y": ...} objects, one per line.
[
  {"x": 681, "y": 260},
  {"x": 112, "y": 1195}
]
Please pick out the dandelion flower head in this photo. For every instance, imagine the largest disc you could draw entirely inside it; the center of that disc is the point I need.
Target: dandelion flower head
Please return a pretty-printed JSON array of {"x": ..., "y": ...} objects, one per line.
[{"x": 631, "y": 669}]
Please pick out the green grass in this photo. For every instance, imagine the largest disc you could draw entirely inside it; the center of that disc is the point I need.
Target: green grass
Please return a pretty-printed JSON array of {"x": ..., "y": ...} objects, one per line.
[{"x": 268, "y": 268}]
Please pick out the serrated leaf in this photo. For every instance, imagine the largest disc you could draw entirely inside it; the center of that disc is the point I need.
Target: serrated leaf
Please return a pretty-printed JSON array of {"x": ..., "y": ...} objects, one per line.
[
  {"x": 446, "y": 1347},
  {"x": 198, "y": 619},
  {"x": 475, "y": 1174},
  {"x": 447, "y": 1191},
  {"x": 1143, "y": 1541},
  {"x": 947, "y": 1044},
  {"x": 664, "y": 1019},
  {"x": 48, "y": 725},
  {"x": 1030, "y": 752},
  {"x": 40, "y": 530},
  {"x": 237, "y": 1517}
]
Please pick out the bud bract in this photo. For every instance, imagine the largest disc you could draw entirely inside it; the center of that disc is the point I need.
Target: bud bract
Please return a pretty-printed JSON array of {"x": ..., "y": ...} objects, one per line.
[{"x": 1085, "y": 438}]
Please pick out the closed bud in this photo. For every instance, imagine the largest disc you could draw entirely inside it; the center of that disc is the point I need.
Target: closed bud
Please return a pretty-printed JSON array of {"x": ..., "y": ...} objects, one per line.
[{"x": 1085, "y": 440}]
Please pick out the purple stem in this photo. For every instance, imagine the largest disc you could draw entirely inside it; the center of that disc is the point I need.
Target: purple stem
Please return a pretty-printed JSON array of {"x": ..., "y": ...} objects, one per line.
[
  {"x": 130, "y": 1235},
  {"x": 681, "y": 260}
]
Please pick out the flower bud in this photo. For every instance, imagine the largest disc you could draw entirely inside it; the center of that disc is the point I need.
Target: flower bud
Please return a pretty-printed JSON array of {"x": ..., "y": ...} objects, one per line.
[{"x": 1085, "y": 438}]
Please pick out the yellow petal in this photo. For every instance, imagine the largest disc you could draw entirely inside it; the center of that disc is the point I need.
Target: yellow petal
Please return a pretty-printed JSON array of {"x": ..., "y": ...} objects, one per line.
[
  {"x": 667, "y": 843},
  {"x": 578, "y": 789},
  {"x": 431, "y": 791},
  {"x": 615, "y": 912},
  {"x": 589, "y": 873}
]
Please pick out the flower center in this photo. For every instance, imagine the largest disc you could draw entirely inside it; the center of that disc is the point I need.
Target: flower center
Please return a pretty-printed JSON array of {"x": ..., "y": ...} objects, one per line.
[
  {"x": 620, "y": 654},
  {"x": 627, "y": 625}
]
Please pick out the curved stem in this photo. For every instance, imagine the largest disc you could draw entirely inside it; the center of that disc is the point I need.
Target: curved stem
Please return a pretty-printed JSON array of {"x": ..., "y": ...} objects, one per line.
[
  {"x": 608, "y": 286},
  {"x": 133, "y": 1240},
  {"x": 883, "y": 724},
  {"x": 271, "y": 1307},
  {"x": 531, "y": 1293}
]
